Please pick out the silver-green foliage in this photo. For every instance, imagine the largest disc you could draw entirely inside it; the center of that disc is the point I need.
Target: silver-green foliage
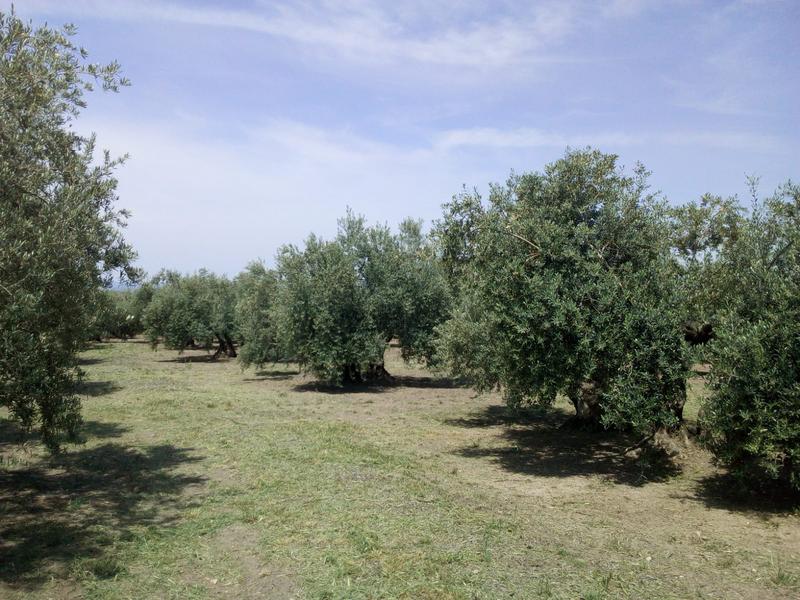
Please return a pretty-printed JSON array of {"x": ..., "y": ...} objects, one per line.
[
  {"x": 339, "y": 303},
  {"x": 565, "y": 288},
  {"x": 60, "y": 237},
  {"x": 115, "y": 316},
  {"x": 256, "y": 287},
  {"x": 188, "y": 310},
  {"x": 700, "y": 232},
  {"x": 752, "y": 418}
]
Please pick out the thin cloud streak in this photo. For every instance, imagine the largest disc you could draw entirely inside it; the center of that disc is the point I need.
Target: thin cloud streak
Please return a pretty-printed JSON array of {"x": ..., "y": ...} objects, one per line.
[
  {"x": 487, "y": 137},
  {"x": 363, "y": 33}
]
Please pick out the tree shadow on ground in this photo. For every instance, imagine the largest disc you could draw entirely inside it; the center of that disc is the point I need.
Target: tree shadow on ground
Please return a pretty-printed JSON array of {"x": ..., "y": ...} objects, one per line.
[
  {"x": 414, "y": 381},
  {"x": 100, "y": 429},
  {"x": 275, "y": 373},
  {"x": 95, "y": 345},
  {"x": 196, "y": 358},
  {"x": 133, "y": 340},
  {"x": 86, "y": 361},
  {"x": 537, "y": 442},
  {"x": 97, "y": 388},
  {"x": 68, "y": 510},
  {"x": 379, "y": 386},
  {"x": 12, "y": 434},
  {"x": 723, "y": 491}
]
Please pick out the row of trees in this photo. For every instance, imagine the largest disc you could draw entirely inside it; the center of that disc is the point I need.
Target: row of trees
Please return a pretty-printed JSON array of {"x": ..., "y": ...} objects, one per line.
[
  {"x": 575, "y": 281},
  {"x": 333, "y": 306}
]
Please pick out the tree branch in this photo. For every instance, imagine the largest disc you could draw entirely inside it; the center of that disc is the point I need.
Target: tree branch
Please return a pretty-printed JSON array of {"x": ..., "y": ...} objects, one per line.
[
  {"x": 527, "y": 241},
  {"x": 780, "y": 253}
]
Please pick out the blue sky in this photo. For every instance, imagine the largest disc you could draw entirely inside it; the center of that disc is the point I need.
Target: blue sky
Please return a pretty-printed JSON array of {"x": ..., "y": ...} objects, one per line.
[{"x": 250, "y": 124}]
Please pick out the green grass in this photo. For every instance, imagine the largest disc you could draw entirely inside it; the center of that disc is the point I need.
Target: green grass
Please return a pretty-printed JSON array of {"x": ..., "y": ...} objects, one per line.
[{"x": 199, "y": 480}]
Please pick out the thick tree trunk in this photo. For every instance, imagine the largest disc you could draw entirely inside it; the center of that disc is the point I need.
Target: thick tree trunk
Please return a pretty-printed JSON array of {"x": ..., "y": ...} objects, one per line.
[
  {"x": 230, "y": 347},
  {"x": 352, "y": 373},
  {"x": 224, "y": 345},
  {"x": 697, "y": 333},
  {"x": 586, "y": 401},
  {"x": 679, "y": 401},
  {"x": 378, "y": 372}
]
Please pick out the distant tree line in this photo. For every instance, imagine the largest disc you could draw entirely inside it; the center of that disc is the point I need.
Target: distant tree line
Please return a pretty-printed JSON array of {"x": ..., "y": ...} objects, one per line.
[{"x": 573, "y": 282}]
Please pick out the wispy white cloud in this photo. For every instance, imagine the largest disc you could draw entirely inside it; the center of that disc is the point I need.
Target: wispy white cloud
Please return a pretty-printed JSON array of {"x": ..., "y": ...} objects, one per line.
[
  {"x": 533, "y": 138},
  {"x": 198, "y": 200},
  {"x": 487, "y": 137},
  {"x": 628, "y": 8},
  {"x": 370, "y": 32},
  {"x": 275, "y": 182},
  {"x": 730, "y": 73},
  {"x": 331, "y": 146}
]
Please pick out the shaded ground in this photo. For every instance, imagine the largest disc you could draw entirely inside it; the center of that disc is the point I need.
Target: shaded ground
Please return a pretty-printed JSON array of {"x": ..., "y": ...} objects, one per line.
[
  {"x": 198, "y": 480},
  {"x": 537, "y": 444},
  {"x": 75, "y": 506}
]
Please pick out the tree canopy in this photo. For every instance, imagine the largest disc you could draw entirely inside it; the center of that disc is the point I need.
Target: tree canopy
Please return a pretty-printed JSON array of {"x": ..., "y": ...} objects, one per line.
[
  {"x": 566, "y": 291},
  {"x": 256, "y": 287},
  {"x": 701, "y": 231},
  {"x": 752, "y": 418},
  {"x": 60, "y": 238},
  {"x": 116, "y": 315},
  {"x": 339, "y": 303},
  {"x": 192, "y": 310}
]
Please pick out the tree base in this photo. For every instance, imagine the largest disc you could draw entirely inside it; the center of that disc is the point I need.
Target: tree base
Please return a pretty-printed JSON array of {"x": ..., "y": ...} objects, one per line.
[{"x": 353, "y": 375}]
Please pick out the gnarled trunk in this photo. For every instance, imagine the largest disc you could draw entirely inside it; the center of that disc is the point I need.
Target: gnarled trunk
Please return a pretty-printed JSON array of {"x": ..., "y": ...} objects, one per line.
[
  {"x": 352, "y": 373},
  {"x": 586, "y": 400},
  {"x": 225, "y": 345},
  {"x": 378, "y": 372},
  {"x": 697, "y": 333},
  {"x": 678, "y": 401},
  {"x": 230, "y": 348}
]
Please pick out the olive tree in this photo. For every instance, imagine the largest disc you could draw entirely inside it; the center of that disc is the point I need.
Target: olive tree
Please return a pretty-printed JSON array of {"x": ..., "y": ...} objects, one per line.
[
  {"x": 752, "y": 418},
  {"x": 567, "y": 289},
  {"x": 60, "y": 239},
  {"x": 190, "y": 311},
  {"x": 115, "y": 316},
  {"x": 339, "y": 303},
  {"x": 255, "y": 295}
]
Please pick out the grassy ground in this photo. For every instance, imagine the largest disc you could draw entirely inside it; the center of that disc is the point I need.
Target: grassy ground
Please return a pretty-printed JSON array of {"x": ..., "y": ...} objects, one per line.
[{"x": 198, "y": 480}]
